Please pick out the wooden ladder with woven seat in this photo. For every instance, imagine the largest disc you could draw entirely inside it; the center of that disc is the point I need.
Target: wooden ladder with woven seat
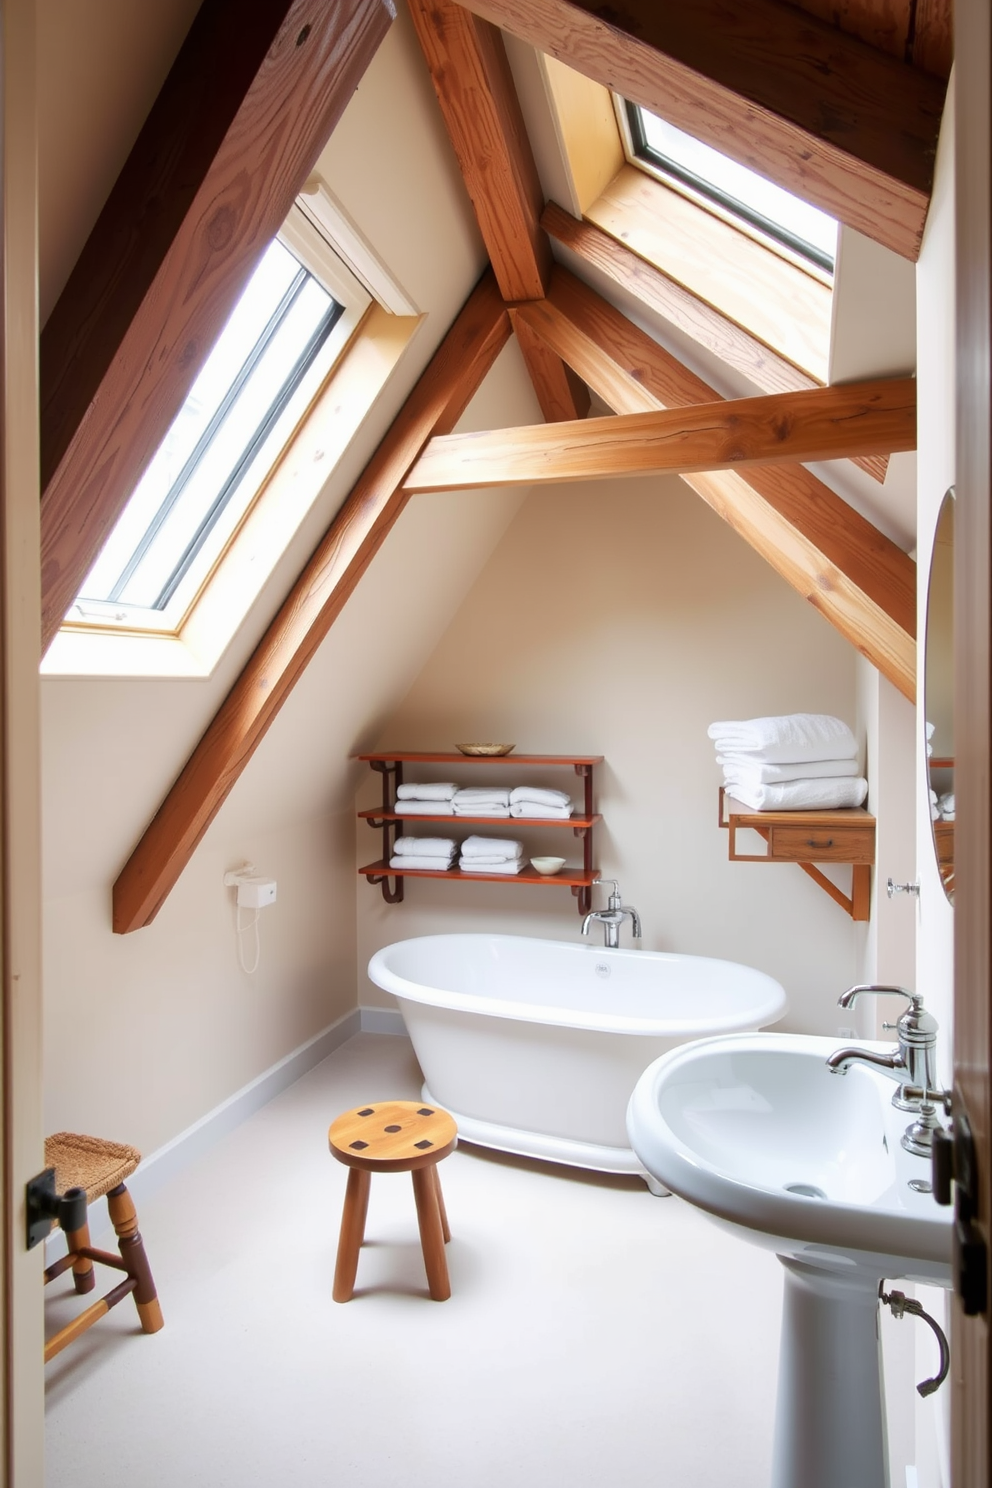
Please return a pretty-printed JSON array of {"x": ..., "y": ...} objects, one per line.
[{"x": 100, "y": 1167}]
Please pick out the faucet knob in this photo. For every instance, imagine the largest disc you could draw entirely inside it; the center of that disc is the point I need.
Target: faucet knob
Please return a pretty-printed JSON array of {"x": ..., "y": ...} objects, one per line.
[{"x": 615, "y": 892}]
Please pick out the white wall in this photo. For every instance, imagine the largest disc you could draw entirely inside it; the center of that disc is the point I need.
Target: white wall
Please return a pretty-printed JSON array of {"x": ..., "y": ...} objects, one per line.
[{"x": 621, "y": 619}]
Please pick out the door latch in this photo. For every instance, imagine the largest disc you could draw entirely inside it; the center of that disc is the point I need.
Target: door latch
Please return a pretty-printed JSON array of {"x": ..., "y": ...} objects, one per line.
[
  {"x": 43, "y": 1205},
  {"x": 954, "y": 1159}
]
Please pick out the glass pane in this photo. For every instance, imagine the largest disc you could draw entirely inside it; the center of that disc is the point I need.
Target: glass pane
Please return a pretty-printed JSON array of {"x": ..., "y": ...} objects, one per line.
[
  {"x": 738, "y": 184},
  {"x": 215, "y": 433}
]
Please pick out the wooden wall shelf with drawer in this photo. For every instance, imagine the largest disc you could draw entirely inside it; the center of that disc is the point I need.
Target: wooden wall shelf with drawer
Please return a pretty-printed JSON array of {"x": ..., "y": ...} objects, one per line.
[{"x": 807, "y": 838}]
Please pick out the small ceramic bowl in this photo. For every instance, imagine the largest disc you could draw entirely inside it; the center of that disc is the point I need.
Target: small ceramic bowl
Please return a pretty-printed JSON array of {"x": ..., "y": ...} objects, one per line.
[
  {"x": 548, "y": 866},
  {"x": 493, "y": 749}
]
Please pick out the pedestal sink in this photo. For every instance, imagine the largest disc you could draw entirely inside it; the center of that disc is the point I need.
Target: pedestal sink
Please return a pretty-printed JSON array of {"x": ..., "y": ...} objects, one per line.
[{"x": 756, "y": 1131}]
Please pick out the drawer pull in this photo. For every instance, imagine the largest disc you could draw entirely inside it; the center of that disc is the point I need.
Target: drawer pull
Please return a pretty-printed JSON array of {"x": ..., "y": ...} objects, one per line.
[{"x": 811, "y": 843}]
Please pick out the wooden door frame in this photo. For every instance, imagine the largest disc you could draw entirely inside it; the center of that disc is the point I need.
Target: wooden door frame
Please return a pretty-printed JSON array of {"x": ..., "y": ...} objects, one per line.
[
  {"x": 21, "y": 1312},
  {"x": 970, "y": 1337}
]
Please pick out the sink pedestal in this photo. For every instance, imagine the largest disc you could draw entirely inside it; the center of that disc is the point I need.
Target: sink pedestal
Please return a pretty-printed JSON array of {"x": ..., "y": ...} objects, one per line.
[{"x": 829, "y": 1421}]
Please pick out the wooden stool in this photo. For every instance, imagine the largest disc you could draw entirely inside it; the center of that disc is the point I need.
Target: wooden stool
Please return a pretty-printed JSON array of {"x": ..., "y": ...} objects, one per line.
[
  {"x": 100, "y": 1168},
  {"x": 393, "y": 1137}
]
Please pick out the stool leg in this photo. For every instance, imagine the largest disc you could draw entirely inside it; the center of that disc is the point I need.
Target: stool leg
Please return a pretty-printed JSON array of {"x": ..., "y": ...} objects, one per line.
[
  {"x": 82, "y": 1267},
  {"x": 425, "y": 1192},
  {"x": 440, "y": 1203},
  {"x": 120, "y": 1206},
  {"x": 356, "y": 1207}
]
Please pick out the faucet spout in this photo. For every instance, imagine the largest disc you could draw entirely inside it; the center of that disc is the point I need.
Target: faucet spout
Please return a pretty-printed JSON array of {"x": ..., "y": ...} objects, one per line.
[{"x": 841, "y": 1060}]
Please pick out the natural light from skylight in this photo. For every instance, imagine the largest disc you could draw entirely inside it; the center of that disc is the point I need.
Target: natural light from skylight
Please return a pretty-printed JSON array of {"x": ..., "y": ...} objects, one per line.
[
  {"x": 252, "y": 391},
  {"x": 797, "y": 225}
]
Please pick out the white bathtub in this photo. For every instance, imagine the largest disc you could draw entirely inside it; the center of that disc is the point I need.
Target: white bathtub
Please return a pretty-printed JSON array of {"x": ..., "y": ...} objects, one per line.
[{"x": 535, "y": 1046}]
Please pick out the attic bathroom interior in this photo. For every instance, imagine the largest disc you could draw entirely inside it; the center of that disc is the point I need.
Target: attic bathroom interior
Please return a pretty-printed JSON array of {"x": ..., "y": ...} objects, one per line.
[{"x": 418, "y": 373}]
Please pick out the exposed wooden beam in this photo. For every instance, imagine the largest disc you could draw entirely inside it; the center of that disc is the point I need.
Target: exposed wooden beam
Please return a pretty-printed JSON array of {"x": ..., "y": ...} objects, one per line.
[
  {"x": 242, "y": 116},
  {"x": 857, "y": 577},
  {"x": 355, "y": 535},
  {"x": 821, "y": 424},
  {"x": 836, "y": 121},
  {"x": 561, "y": 392},
  {"x": 471, "y": 77},
  {"x": 694, "y": 317}
]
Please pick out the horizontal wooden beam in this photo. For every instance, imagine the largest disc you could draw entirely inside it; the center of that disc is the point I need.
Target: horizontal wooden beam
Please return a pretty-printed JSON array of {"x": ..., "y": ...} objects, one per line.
[
  {"x": 241, "y": 118},
  {"x": 857, "y": 577},
  {"x": 471, "y": 77},
  {"x": 837, "y": 122},
  {"x": 822, "y": 424},
  {"x": 353, "y": 538}
]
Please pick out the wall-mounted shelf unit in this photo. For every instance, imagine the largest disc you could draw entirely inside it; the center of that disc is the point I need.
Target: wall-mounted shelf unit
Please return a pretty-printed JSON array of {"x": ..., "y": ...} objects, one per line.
[
  {"x": 807, "y": 838},
  {"x": 389, "y": 764}
]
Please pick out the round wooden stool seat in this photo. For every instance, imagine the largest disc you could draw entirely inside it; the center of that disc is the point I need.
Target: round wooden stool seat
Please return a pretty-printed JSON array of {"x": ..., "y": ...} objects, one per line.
[{"x": 393, "y": 1137}]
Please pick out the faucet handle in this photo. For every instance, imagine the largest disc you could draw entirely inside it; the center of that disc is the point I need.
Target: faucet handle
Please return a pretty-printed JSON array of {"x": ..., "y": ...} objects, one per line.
[{"x": 615, "y": 895}]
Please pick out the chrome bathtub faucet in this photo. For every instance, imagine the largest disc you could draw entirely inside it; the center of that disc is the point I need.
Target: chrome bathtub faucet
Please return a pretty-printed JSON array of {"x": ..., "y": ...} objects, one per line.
[
  {"x": 915, "y": 1056},
  {"x": 613, "y": 917}
]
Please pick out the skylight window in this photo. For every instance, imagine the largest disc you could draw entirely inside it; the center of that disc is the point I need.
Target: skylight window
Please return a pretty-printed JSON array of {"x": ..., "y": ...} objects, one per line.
[
  {"x": 736, "y": 192},
  {"x": 266, "y": 367}
]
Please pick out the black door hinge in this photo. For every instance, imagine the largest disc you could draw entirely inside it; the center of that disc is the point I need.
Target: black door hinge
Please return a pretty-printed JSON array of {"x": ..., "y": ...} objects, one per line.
[
  {"x": 43, "y": 1205},
  {"x": 954, "y": 1158}
]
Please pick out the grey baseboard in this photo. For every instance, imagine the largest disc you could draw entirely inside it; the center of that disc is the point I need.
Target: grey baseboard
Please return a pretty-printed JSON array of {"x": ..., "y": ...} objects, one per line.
[
  {"x": 382, "y": 1020},
  {"x": 167, "y": 1161}
]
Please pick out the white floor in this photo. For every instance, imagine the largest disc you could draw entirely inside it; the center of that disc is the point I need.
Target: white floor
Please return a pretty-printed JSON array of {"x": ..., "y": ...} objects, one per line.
[{"x": 595, "y": 1335}]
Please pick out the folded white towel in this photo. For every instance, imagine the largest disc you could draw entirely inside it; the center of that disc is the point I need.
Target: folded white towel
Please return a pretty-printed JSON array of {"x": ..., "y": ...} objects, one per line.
[
  {"x": 480, "y": 808},
  {"x": 472, "y": 865},
  {"x": 947, "y": 805},
  {"x": 483, "y": 795},
  {"x": 748, "y": 768},
  {"x": 491, "y": 847},
  {"x": 539, "y": 794},
  {"x": 431, "y": 790},
  {"x": 432, "y": 864},
  {"x": 533, "y": 811},
  {"x": 786, "y": 739},
  {"x": 805, "y": 795},
  {"x": 425, "y": 847},
  {"x": 424, "y": 808}
]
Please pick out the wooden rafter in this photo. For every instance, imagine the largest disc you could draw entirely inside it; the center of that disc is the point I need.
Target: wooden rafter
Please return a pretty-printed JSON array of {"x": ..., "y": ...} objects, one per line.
[
  {"x": 820, "y": 424},
  {"x": 856, "y": 576},
  {"x": 355, "y": 535},
  {"x": 471, "y": 77},
  {"x": 841, "y": 124},
  {"x": 246, "y": 109}
]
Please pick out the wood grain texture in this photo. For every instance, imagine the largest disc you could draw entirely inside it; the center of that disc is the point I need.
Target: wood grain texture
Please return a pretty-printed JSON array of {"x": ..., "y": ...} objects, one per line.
[
  {"x": 933, "y": 40},
  {"x": 561, "y": 392},
  {"x": 836, "y": 121},
  {"x": 436, "y": 403},
  {"x": 686, "y": 311},
  {"x": 884, "y": 24},
  {"x": 821, "y": 424},
  {"x": 236, "y": 129},
  {"x": 856, "y": 576},
  {"x": 471, "y": 77}
]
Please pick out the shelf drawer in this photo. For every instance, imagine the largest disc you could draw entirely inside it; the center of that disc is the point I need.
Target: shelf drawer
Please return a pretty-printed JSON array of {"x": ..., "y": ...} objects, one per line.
[{"x": 822, "y": 844}]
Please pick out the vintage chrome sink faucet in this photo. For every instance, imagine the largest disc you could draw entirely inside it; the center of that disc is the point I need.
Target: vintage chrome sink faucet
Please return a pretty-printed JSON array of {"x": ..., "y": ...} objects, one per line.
[
  {"x": 915, "y": 1056},
  {"x": 613, "y": 916}
]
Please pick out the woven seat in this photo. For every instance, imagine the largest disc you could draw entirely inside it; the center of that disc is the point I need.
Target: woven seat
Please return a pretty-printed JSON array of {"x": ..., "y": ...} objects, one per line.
[
  {"x": 393, "y": 1137},
  {"x": 99, "y": 1168}
]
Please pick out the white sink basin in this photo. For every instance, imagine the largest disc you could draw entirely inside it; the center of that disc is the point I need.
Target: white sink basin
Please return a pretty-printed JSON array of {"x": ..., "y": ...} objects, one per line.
[{"x": 757, "y": 1131}]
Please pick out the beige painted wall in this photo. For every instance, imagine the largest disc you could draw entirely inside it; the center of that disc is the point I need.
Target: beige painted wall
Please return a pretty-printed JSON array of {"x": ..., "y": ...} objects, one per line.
[{"x": 621, "y": 619}]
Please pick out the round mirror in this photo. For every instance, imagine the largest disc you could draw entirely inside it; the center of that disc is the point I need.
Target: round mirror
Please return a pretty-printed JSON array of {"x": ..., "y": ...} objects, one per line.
[{"x": 938, "y": 692}]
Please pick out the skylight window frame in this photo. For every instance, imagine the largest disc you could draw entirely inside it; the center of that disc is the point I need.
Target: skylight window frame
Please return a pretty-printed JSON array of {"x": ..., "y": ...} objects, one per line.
[
  {"x": 704, "y": 194},
  {"x": 303, "y": 240}
]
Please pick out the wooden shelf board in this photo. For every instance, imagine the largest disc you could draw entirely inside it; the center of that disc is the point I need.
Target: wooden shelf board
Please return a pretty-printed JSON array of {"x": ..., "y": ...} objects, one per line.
[
  {"x": 574, "y": 877},
  {"x": 388, "y": 756},
  {"x": 500, "y": 821},
  {"x": 941, "y": 762},
  {"x": 746, "y": 816}
]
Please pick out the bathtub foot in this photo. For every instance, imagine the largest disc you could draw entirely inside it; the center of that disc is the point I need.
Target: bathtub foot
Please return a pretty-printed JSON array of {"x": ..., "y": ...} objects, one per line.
[{"x": 658, "y": 1189}]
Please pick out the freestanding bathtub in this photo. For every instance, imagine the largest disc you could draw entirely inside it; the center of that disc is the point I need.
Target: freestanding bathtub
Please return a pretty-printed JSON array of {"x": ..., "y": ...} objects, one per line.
[{"x": 535, "y": 1046}]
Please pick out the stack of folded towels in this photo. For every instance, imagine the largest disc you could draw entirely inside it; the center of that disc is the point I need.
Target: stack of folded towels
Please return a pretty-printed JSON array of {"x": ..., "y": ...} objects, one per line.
[
  {"x": 482, "y": 800},
  {"x": 491, "y": 855},
  {"x": 429, "y": 799},
  {"x": 799, "y": 762},
  {"x": 533, "y": 801},
  {"x": 942, "y": 808},
  {"x": 435, "y": 853}
]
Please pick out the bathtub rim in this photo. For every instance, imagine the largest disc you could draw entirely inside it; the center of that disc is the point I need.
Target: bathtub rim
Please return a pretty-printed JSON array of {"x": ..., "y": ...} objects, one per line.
[{"x": 600, "y": 1020}]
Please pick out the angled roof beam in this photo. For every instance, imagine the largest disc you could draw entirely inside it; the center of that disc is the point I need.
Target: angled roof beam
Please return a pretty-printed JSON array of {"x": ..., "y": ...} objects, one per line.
[
  {"x": 471, "y": 76},
  {"x": 853, "y": 574},
  {"x": 820, "y": 424},
  {"x": 836, "y": 121},
  {"x": 242, "y": 116},
  {"x": 355, "y": 535}
]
